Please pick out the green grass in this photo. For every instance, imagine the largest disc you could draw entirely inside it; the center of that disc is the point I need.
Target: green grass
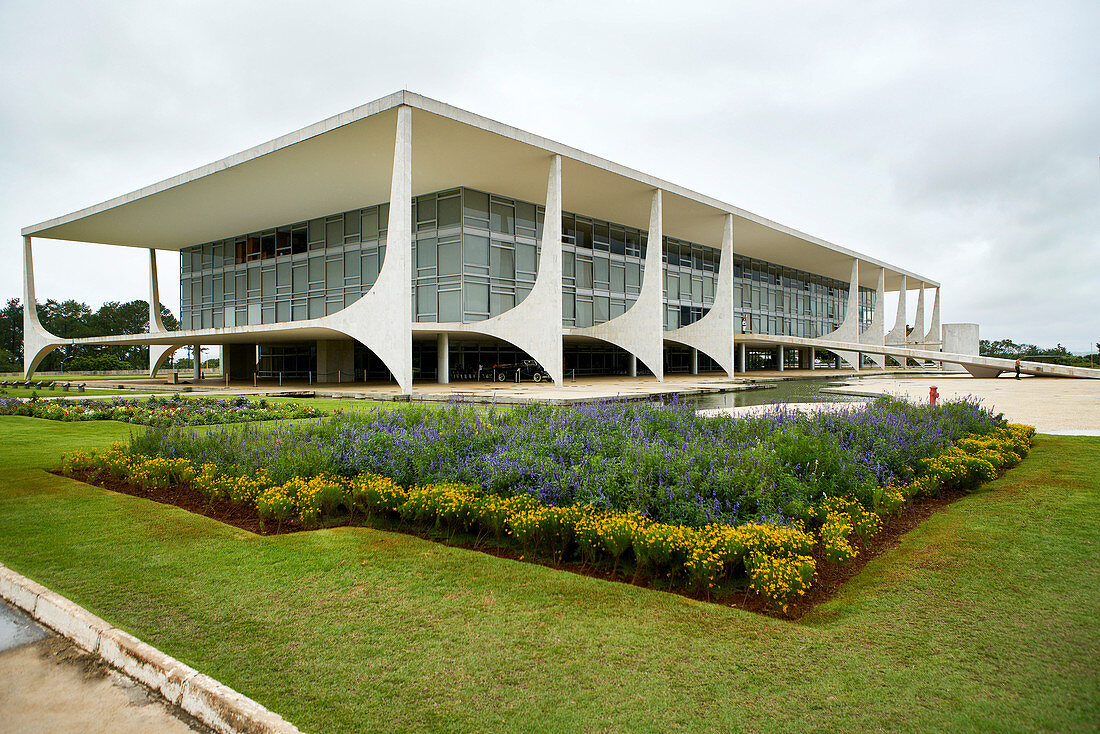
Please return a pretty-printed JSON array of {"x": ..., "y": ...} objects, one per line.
[
  {"x": 349, "y": 405},
  {"x": 77, "y": 377},
  {"x": 984, "y": 618},
  {"x": 24, "y": 392}
]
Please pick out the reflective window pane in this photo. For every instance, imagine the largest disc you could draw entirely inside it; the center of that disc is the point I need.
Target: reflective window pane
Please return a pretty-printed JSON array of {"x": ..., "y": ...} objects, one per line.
[{"x": 476, "y": 251}]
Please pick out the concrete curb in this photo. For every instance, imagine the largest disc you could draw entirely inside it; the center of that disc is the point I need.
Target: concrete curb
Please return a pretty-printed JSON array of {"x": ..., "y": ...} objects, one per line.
[{"x": 218, "y": 706}]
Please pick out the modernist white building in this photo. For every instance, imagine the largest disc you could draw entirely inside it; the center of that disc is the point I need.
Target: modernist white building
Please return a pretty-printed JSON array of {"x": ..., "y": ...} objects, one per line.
[{"x": 409, "y": 239}]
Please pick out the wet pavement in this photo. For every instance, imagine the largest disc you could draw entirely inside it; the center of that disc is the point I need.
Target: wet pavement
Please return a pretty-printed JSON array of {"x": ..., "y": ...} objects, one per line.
[{"x": 49, "y": 685}]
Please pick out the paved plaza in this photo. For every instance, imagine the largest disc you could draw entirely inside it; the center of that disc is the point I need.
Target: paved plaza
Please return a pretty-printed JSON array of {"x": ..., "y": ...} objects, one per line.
[{"x": 1052, "y": 405}]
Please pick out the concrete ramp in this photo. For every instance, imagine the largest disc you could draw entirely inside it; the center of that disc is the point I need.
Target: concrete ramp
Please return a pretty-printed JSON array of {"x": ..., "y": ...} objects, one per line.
[{"x": 976, "y": 365}]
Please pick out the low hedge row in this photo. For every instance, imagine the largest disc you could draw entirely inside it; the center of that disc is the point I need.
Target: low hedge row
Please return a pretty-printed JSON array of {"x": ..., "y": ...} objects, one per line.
[
  {"x": 174, "y": 411},
  {"x": 776, "y": 559}
]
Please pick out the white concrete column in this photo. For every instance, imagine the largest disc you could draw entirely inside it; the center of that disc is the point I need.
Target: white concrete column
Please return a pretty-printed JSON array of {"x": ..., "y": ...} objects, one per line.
[
  {"x": 155, "y": 323},
  {"x": 549, "y": 275},
  {"x": 813, "y": 359},
  {"x": 534, "y": 325},
  {"x": 37, "y": 342},
  {"x": 443, "y": 359},
  {"x": 158, "y": 353},
  {"x": 631, "y": 365},
  {"x": 382, "y": 319},
  {"x": 742, "y": 358},
  {"x": 779, "y": 357},
  {"x": 933, "y": 336},
  {"x": 897, "y": 334},
  {"x": 918, "y": 319},
  {"x": 848, "y": 331},
  {"x": 713, "y": 334},
  {"x": 876, "y": 331},
  {"x": 640, "y": 331},
  {"x": 694, "y": 361}
]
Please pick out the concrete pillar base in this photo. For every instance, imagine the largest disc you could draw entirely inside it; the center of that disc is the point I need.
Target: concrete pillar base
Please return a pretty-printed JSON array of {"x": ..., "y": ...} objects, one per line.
[
  {"x": 335, "y": 360},
  {"x": 443, "y": 359}
]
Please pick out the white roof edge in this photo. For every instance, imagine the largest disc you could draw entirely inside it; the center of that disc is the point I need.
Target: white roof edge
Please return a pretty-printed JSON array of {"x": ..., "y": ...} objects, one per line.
[
  {"x": 284, "y": 141},
  {"x": 418, "y": 101}
]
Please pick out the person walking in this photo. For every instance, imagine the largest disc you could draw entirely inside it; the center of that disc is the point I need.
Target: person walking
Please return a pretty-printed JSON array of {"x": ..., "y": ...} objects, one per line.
[{"x": 1017, "y": 369}]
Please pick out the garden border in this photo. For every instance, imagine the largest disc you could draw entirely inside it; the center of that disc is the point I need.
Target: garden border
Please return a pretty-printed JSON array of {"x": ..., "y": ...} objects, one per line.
[{"x": 214, "y": 704}]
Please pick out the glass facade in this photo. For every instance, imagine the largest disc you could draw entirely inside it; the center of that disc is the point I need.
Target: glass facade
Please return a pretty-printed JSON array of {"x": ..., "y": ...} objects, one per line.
[
  {"x": 779, "y": 300},
  {"x": 476, "y": 255}
]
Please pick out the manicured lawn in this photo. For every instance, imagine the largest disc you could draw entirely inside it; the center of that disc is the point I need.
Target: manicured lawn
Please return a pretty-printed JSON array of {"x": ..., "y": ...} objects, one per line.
[
  {"x": 984, "y": 618},
  {"x": 25, "y": 392}
]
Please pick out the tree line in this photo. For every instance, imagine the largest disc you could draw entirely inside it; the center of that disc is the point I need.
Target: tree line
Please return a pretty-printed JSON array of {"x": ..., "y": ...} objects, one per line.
[
  {"x": 72, "y": 320},
  {"x": 1008, "y": 349}
]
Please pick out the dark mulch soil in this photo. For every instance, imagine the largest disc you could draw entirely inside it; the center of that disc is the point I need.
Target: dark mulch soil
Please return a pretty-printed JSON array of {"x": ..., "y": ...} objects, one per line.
[{"x": 830, "y": 577}]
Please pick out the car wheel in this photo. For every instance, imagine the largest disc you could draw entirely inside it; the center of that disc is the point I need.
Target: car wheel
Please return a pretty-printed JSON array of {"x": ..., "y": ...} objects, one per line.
[
  {"x": 501, "y": 377},
  {"x": 537, "y": 377}
]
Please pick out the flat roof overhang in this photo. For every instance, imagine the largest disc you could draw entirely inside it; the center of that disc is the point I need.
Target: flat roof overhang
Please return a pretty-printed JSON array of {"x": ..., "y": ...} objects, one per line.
[{"x": 345, "y": 162}]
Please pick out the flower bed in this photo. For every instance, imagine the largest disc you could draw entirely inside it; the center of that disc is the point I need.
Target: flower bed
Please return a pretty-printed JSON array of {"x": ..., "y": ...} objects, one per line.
[
  {"x": 161, "y": 412},
  {"x": 662, "y": 461},
  {"x": 773, "y": 556}
]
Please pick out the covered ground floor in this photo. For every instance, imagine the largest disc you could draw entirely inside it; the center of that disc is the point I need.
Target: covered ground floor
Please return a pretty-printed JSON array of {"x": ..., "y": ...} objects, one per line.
[
  {"x": 445, "y": 359},
  {"x": 574, "y": 389}
]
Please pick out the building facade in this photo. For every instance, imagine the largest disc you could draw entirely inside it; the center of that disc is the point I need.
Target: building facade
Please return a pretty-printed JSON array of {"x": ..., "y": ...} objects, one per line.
[{"x": 502, "y": 247}]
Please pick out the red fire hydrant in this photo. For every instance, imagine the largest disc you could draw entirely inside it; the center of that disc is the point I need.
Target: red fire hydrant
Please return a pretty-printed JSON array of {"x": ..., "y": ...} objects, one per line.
[{"x": 932, "y": 396}]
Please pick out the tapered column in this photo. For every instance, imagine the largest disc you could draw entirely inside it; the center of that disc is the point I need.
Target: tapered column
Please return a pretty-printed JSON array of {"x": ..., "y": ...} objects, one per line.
[
  {"x": 876, "y": 331},
  {"x": 813, "y": 359},
  {"x": 155, "y": 323},
  {"x": 918, "y": 319},
  {"x": 933, "y": 336},
  {"x": 897, "y": 334},
  {"x": 196, "y": 361},
  {"x": 848, "y": 331},
  {"x": 442, "y": 359},
  {"x": 399, "y": 238},
  {"x": 382, "y": 319},
  {"x": 548, "y": 280},
  {"x": 37, "y": 342},
  {"x": 694, "y": 361},
  {"x": 779, "y": 357},
  {"x": 640, "y": 330},
  {"x": 158, "y": 353},
  {"x": 713, "y": 333},
  {"x": 742, "y": 358}
]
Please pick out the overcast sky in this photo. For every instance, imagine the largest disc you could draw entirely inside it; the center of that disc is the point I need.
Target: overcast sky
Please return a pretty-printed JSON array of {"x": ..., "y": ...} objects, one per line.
[{"x": 957, "y": 140}]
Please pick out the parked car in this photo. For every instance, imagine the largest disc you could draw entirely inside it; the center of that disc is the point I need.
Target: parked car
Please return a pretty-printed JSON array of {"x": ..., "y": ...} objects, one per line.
[{"x": 528, "y": 368}]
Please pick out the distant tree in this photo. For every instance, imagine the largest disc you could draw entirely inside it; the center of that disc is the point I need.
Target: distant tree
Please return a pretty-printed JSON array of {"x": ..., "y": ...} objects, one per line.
[
  {"x": 9, "y": 362},
  {"x": 72, "y": 320},
  {"x": 1008, "y": 349},
  {"x": 11, "y": 328}
]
